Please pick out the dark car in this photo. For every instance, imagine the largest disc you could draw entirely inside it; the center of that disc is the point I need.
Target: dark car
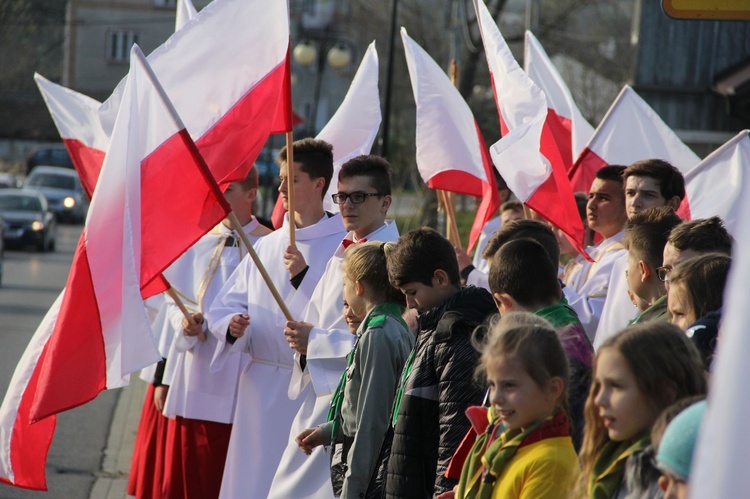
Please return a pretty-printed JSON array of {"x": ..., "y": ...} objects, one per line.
[
  {"x": 50, "y": 156},
  {"x": 63, "y": 191},
  {"x": 28, "y": 221}
]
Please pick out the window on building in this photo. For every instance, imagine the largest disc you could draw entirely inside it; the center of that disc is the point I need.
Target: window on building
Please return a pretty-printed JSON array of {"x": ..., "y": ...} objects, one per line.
[{"x": 119, "y": 43}]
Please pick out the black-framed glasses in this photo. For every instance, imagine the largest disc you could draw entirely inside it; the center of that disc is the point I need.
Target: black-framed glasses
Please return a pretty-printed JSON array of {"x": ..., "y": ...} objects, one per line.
[
  {"x": 663, "y": 273},
  {"x": 356, "y": 197}
]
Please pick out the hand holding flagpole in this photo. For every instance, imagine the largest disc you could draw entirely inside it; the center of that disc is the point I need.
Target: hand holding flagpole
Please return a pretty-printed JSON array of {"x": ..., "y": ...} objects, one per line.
[{"x": 188, "y": 316}]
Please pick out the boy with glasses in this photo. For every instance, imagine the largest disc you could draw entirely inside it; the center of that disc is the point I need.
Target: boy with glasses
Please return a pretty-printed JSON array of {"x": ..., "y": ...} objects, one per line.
[{"x": 321, "y": 338}]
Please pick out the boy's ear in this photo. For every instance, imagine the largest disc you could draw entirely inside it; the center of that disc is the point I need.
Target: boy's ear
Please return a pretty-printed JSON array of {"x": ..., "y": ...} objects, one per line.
[
  {"x": 645, "y": 269},
  {"x": 359, "y": 289},
  {"x": 504, "y": 302},
  {"x": 440, "y": 277},
  {"x": 674, "y": 202}
]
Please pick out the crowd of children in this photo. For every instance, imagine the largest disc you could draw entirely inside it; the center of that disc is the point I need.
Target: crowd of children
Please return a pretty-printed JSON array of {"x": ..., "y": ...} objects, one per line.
[{"x": 528, "y": 372}]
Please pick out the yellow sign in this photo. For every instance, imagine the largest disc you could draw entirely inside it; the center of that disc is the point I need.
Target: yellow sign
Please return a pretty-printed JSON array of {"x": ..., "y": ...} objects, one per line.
[{"x": 707, "y": 9}]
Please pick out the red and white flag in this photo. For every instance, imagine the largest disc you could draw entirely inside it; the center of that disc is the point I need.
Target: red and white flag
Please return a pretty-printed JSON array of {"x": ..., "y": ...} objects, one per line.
[
  {"x": 451, "y": 154},
  {"x": 232, "y": 119},
  {"x": 352, "y": 129},
  {"x": 76, "y": 118},
  {"x": 184, "y": 13},
  {"x": 527, "y": 156},
  {"x": 227, "y": 73},
  {"x": 719, "y": 183},
  {"x": 629, "y": 132},
  {"x": 570, "y": 130},
  {"x": 154, "y": 199},
  {"x": 719, "y": 468}
]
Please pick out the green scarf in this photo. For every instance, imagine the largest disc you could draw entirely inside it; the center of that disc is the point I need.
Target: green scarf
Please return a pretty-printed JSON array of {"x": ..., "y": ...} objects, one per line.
[
  {"x": 491, "y": 453},
  {"x": 609, "y": 466},
  {"x": 559, "y": 315},
  {"x": 375, "y": 318}
]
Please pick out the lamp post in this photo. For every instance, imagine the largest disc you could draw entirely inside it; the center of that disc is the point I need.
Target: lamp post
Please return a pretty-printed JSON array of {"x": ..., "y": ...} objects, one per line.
[{"x": 321, "y": 50}]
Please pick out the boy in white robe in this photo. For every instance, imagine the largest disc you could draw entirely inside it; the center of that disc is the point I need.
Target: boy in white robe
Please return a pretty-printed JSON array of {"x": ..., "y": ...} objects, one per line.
[
  {"x": 245, "y": 318},
  {"x": 322, "y": 339},
  {"x": 587, "y": 283},
  {"x": 200, "y": 402},
  {"x": 647, "y": 183}
]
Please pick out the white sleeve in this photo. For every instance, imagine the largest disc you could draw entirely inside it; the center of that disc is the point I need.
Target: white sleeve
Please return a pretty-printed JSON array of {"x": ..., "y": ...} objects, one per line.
[
  {"x": 231, "y": 300},
  {"x": 326, "y": 357}
]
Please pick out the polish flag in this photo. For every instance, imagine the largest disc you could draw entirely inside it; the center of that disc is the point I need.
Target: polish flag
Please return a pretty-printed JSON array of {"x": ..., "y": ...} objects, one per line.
[
  {"x": 451, "y": 154},
  {"x": 719, "y": 183},
  {"x": 629, "y": 132},
  {"x": 155, "y": 198},
  {"x": 185, "y": 12},
  {"x": 526, "y": 156},
  {"x": 352, "y": 129},
  {"x": 76, "y": 118},
  {"x": 227, "y": 73},
  {"x": 719, "y": 468},
  {"x": 569, "y": 128},
  {"x": 233, "y": 119}
]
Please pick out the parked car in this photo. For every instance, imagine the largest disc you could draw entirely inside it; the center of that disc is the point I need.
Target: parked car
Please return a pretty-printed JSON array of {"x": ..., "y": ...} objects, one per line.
[
  {"x": 28, "y": 220},
  {"x": 8, "y": 181},
  {"x": 49, "y": 156},
  {"x": 63, "y": 191}
]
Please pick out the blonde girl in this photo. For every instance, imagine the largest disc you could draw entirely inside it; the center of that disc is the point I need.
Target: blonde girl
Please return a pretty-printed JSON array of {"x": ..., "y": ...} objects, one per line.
[
  {"x": 526, "y": 449},
  {"x": 361, "y": 407},
  {"x": 637, "y": 374}
]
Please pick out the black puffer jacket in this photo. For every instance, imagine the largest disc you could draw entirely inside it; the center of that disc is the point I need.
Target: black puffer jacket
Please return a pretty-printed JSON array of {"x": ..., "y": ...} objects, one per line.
[{"x": 431, "y": 420}]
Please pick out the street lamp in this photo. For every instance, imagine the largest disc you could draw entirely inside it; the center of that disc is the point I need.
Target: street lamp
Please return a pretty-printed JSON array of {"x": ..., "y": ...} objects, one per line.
[{"x": 335, "y": 52}]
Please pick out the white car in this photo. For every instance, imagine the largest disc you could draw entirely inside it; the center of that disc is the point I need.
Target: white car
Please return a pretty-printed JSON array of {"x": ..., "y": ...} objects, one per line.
[{"x": 63, "y": 190}]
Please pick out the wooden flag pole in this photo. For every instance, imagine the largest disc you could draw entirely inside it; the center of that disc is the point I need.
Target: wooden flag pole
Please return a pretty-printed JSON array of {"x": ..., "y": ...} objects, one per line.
[
  {"x": 290, "y": 188},
  {"x": 176, "y": 297},
  {"x": 450, "y": 213},
  {"x": 263, "y": 272}
]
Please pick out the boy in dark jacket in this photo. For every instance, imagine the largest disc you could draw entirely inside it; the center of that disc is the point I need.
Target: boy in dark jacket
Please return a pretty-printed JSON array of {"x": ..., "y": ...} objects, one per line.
[{"x": 437, "y": 384}]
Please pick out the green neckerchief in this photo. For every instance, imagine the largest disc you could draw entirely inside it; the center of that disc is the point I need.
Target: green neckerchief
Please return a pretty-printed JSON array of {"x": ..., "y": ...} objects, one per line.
[
  {"x": 488, "y": 458},
  {"x": 375, "y": 318},
  {"x": 657, "y": 311},
  {"x": 402, "y": 385},
  {"x": 609, "y": 466},
  {"x": 559, "y": 315}
]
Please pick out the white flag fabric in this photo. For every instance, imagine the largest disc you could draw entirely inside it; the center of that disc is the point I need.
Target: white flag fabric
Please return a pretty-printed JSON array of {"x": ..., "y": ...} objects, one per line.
[
  {"x": 354, "y": 126},
  {"x": 719, "y": 469},
  {"x": 77, "y": 120},
  {"x": 719, "y": 183},
  {"x": 569, "y": 128},
  {"x": 450, "y": 149},
  {"x": 629, "y": 132},
  {"x": 185, "y": 12}
]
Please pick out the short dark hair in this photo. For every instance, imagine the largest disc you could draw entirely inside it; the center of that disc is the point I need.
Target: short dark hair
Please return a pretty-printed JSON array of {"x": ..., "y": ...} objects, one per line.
[
  {"x": 702, "y": 234},
  {"x": 646, "y": 233},
  {"x": 532, "y": 229},
  {"x": 376, "y": 168},
  {"x": 251, "y": 180},
  {"x": 582, "y": 200},
  {"x": 316, "y": 158},
  {"x": 704, "y": 278},
  {"x": 513, "y": 204},
  {"x": 671, "y": 181},
  {"x": 611, "y": 172},
  {"x": 522, "y": 269},
  {"x": 418, "y": 254}
]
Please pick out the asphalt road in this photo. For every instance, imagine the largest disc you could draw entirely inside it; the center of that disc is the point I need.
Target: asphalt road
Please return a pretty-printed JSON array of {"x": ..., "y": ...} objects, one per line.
[{"x": 31, "y": 283}]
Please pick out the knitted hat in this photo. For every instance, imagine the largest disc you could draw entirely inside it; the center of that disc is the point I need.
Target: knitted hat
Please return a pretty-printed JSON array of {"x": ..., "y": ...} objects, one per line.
[{"x": 675, "y": 453}]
